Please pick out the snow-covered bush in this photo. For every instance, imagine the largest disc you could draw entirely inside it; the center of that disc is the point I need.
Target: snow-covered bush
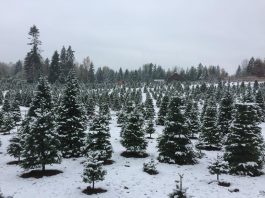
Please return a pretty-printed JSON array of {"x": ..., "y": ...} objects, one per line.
[{"x": 150, "y": 167}]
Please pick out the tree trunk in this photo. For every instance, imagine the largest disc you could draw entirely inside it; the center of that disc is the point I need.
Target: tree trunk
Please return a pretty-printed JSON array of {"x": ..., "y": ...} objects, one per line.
[
  {"x": 93, "y": 185},
  {"x": 43, "y": 167},
  {"x": 218, "y": 177}
]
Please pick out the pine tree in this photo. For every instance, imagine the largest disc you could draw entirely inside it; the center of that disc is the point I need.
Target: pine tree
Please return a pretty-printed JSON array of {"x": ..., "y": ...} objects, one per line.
[
  {"x": 174, "y": 145},
  {"x": 244, "y": 145},
  {"x": 93, "y": 170},
  {"x": 90, "y": 107},
  {"x": 149, "y": 106},
  {"x": 209, "y": 138},
  {"x": 133, "y": 135},
  {"x": 150, "y": 128},
  {"x": 163, "y": 111},
  {"x": 218, "y": 167},
  {"x": 40, "y": 144},
  {"x": 54, "y": 70},
  {"x": 225, "y": 114},
  {"x": 248, "y": 97},
  {"x": 6, "y": 105},
  {"x": 194, "y": 126},
  {"x": 16, "y": 114},
  {"x": 98, "y": 138},
  {"x": 91, "y": 73},
  {"x": 14, "y": 149},
  {"x": 71, "y": 120},
  {"x": 33, "y": 59},
  {"x": 261, "y": 106}
]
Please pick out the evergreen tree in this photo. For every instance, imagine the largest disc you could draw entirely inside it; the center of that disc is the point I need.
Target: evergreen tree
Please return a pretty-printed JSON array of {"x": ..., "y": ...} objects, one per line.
[
  {"x": 210, "y": 137},
  {"x": 174, "y": 145},
  {"x": 40, "y": 143},
  {"x": 261, "y": 106},
  {"x": 133, "y": 135},
  {"x": 93, "y": 170},
  {"x": 14, "y": 149},
  {"x": 244, "y": 145},
  {"x": 91, "y": 73},
  {"x": 149, "y": 106},
  {"x": 54, "y": 70},
  {"x": 33, "y": 60},
  {"x": 194, "y": 126},
  {"x": 98, "y": 138},
  {"x": 150, "y": 128},
  {"x": 71, "y": 120},
  {"x": 6, "y": 105},
  {"x": 163, "y": 111},
  {"x": 225, "y": 114},
  {"x": 16, "y": 114},
  {"x": 248, "y": 97},
  {"x": 218, "y": 167},
  {"x": 90, "y": 107}
]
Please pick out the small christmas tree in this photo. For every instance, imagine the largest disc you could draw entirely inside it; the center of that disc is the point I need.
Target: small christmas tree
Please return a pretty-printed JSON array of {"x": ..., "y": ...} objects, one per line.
[
  {"x": 150, "y": 128},
  {"x": 163, "y": 111},
  {"x": 210, "y": 138},
  {"x": 40, "y": 144},
  {"x": 133, "y": 135},
  {"x": 71, "y": 120},
  {"x": 174, "y": 146},
  {"x": 149, "y": 108},
  {"x": 244, "y": 145},
  {"x": 225, "y": 114},
  {"x": 98, "y": 139},
  {"x": 16, "y": 111},
  {"x": 179, "y": 192},
  {"x": 261, "y": 106},
  {"x": 93, "y": 170},
  {"x": 194, "y": 126},
  {"x": 150, "y": 167},
  {"x": 218, "y": 167},
  {"x": 14, "y": 149}
]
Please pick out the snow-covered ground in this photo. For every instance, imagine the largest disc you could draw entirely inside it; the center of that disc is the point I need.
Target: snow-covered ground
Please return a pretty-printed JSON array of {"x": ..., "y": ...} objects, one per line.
[{"x": 125, "y": 178}]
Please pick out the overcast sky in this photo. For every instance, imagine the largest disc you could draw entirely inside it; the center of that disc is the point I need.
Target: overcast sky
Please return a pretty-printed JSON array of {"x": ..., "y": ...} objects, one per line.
[{"x": 129, "y": 33}]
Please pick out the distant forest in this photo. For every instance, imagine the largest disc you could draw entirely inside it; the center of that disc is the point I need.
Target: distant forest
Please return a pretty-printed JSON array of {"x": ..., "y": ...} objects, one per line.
[{"x": 61, "y": 62}]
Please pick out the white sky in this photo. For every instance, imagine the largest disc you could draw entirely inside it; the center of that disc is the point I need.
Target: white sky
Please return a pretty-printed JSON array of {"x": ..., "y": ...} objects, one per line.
[{"x": 130, "y": 33}]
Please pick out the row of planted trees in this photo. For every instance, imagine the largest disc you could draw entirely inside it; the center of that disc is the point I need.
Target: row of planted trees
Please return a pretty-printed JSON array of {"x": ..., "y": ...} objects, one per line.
[{"x": 223, "y": 116}]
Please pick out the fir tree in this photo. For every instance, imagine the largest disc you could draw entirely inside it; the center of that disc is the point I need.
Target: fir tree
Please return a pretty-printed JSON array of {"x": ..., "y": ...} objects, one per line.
[
  {"x": 218, "y": 167},
  {"x": 33, "y": 60},
  {"x": 71, "y": 120},
  {"x": 90, "y": 107},
  {"x": 174, "y": 145},
  {"x": 149, "y": 106},
  {"x": 93, "y": 170},
  {"x": 14, "y": 149},
  {"x": 150, "y": 128},
  {"x": 98, "y": 139},
  {"x": 225, "y": 114},
  {"x": 244, "y": 145},
  {"x": 209, "y": 138},
  {"x": 194, "y": 126},
  {"x": 163, "y": 111},
  {"x": 40, "y": 143},
  {"x": 54, "y": 70},
  {"x": 133, "y": 135},
  {"x": 16, "y": 114},
  {"x": 261, "y": 106}
]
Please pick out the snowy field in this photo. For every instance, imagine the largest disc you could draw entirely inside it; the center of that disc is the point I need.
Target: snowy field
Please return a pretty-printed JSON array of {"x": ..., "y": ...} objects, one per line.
[{"x": 125, "y": 178}]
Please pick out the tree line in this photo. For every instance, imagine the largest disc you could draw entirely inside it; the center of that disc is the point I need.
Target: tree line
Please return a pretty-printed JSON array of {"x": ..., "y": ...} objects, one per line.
[{"x": 61, "y": 62}]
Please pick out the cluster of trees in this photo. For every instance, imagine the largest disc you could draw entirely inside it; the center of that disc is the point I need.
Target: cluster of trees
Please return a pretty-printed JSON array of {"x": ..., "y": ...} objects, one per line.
[
  {"x": 55, "y": 125},
  {"x": 253, "y": 67}
]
